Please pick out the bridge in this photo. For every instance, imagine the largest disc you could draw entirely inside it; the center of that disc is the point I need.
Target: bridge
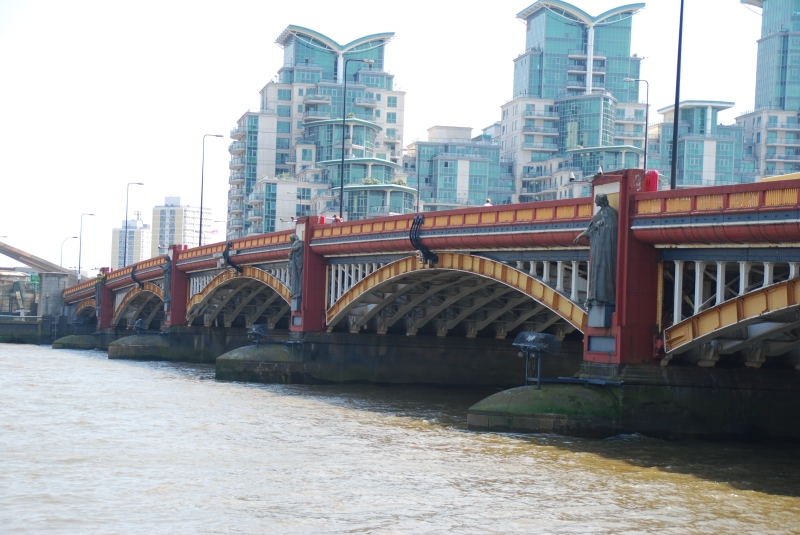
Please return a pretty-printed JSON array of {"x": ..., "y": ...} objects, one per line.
[{"x": 704, "y": 275}]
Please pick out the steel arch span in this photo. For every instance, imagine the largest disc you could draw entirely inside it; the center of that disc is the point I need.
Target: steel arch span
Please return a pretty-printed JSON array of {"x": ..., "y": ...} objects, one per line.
[
  {"x": 140, "y": 302},
  {"x": 472, "y": 290},
  {"x": 251, "y": 293}
]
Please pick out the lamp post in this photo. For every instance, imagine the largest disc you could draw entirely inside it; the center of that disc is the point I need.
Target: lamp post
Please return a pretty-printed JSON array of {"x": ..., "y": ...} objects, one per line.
[
  {"x": 202, "y": 177},
  {"x": 344, "y": 129},
  {"x": 80, "y": 245},
  {"x": 61, "y": 261},
  {"x": 673, "y": 176},
  {"x": 127, "y": 194},
  {"x": 646, "y": 113}
]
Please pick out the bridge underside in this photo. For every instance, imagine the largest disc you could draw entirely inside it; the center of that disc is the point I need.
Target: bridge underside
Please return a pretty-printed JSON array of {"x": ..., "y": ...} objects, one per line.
[
  {"x": 240, "y": 302},
  {"x": 445, "y": 302},
  {"x": 144, "y": 305}
]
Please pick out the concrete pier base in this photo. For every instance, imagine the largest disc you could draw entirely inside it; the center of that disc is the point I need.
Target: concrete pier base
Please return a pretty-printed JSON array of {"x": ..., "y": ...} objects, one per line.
[
  {"x": 679, "y": 402},
  {"x": 76, "y": 341}
]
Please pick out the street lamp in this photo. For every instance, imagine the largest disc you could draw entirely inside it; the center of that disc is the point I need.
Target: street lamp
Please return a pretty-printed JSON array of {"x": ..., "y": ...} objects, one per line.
[
  {"x": 344, "y": 129},
  {"x": 127, "y": 194},
  {"x": 80, "y": 245},
  {"x": 673, "y": 175},
  {"x": 202, "y": 177},
  {"x": 61, "y": 261},
  {"x": 646, "y": 113}
]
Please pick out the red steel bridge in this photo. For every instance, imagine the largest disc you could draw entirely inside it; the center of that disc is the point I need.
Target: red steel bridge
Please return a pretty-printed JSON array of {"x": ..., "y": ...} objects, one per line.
[{"x": 703, "y": 275}]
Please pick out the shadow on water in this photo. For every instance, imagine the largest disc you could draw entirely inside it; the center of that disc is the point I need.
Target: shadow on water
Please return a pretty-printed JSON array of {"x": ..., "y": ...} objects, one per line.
[{"x": 770, "y": 467}]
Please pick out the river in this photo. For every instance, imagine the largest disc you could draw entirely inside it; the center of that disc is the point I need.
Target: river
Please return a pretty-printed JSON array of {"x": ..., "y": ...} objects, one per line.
[{"x": 89, "y": 445}]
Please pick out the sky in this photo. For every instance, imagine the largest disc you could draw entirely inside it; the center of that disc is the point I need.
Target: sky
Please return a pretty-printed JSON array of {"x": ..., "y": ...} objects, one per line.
[{"x": 94, "y": 95}]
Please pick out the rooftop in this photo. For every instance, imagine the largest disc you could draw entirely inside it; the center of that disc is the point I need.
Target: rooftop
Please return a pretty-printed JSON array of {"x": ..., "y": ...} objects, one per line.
[
  {"x": 718, "y": 104},
  {"x": 295, "y": 31},
  {"x": 577, "y": 13}
]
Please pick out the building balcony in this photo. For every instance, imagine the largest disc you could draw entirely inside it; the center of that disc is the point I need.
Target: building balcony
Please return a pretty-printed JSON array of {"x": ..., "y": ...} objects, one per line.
[
  {"x": 637, "y": 120},
  {"x": 254, "y": 230},
  {"x": 629, "y": 134},
  {"x": 782, "y": 157},
  {"x": 392, "y": 139},
  {"x": 236, "y": 207},
  {"x": 236, "y": 163},
  {"x": 365, "y": 102},
  {"x": 235, "y": 223},
  {"x": 317, "y": 99},
  {"x": 783, "y": 126},
  {"x": 237, "y": 147},
  {"x": 236, "y": 193},
  {"x": 577, "y": 53},
  {"x": 546, "y": 115},
  {"x": 254, "y": 215},
  {"x": 783, "y": 141},
  {"x": 239, "y": 132},
  {"x": 532, "y": 176},
  {"x": 532, "y": 145},
  {"x": 255, "y": 198},
  {"x": 544, "y": 130},
  {"x": 236, "y": 178},
  {"x": 315, "y": 115}
]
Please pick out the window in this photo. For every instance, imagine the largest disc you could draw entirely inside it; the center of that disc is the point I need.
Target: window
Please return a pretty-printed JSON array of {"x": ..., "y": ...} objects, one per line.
[
  {"x": 284, "y": 111},
  {"x": 391, "y": 117},
  {"x": 303, "y": 194},
  {"x": 299, "y": 125},
  {"x": 391, "y": 102},
  {"x": 302, "y": 210},
  {"x": 378, "y": 97},
  {"x": 284, "y": 94},
  {"x": 391, "y": 133},
  {"x": 377, "y": 113},
  {"x": 299, "y": 108},
  {"x": 284, "y": 127},
  {"x": 307, "y": 155},
  {"x": 300, "y": 92},
  {"x": 282, "y": 143}
]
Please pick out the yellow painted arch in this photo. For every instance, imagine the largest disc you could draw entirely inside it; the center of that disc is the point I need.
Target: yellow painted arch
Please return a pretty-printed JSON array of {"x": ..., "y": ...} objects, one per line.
[
  {"x": 248, "y": 272},
  {"x": 86, "y": 303},
  {"x": 711, "y": 322},
  {"x": 146, "y": 287},
  {"x": 474, "y": 265}
]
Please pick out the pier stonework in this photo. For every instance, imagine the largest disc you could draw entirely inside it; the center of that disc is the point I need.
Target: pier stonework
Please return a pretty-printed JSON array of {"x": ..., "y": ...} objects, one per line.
[{"x": 706, "y": 293}]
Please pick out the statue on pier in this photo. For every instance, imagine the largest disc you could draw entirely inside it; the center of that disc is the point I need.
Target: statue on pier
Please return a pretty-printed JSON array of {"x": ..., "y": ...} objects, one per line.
[
  {"x": 296, "y": 271},
  {"x": 602, "y": 234}
]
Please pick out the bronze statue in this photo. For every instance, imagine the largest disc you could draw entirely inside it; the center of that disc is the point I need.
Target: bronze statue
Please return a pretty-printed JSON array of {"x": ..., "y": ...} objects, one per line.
[
  {"x": 602, "y": 235},
  {"x": 296, "y": 268}
]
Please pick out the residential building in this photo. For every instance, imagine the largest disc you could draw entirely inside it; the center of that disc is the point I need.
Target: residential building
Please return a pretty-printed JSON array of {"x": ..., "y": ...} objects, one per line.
[
  {"x": 573, "y": 109},
  {"x": 453, "y": 169},
  {"x": 772, "y": 128},
  {"x": 292, "y": 144},
  {"x": 138, "y": 246},
  {"x": 176, "y": 223},
  {"x": 709, "y": 154}
]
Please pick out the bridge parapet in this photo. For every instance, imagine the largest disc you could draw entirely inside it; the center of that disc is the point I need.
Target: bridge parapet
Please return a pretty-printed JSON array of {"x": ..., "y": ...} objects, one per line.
[
  {"x": 249, "y": 250},
  {"x": 79, "y": 292},
  {"x": 526, "y": 225},
  {"x": 764, "y": 212}
]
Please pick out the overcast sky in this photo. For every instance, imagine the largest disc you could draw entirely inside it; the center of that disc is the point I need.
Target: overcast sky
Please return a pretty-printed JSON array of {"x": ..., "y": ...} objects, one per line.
[{"x": 94, "y": 95}]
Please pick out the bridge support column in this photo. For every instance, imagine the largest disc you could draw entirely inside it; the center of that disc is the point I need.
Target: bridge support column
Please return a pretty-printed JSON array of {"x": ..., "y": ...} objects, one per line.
[
  {"x": 176, "y": 292},
  {"x": 769, "y": 273},
  {"x": 744, "y": 277},
  {"x": 677, "y": 315},
  {"x": 699, "y": 275},
  {"x": 105, "y": 300},
  {"x": 311, "y": 316},
  {"x": 720, "y": 283}
]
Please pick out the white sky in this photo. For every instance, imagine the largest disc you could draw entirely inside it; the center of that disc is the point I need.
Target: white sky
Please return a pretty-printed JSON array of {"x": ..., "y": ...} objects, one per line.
[{"x": 94, "y": 95}]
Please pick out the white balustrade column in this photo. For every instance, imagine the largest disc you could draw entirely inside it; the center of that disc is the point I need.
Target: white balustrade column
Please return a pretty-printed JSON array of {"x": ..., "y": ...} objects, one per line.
[
  {"x": 677, "y": 316},
  {"x": 546, "y": 272},
  {"x": 340, "y": 285},
  {"x": 794, "y": 272},
  {"x": 769, "y": 273},
  {"x": 720, "y": 283},
  {"x": 573, "y": 291},
  {"x": 532, "y": 270},
  {"x": 560, "y": 276},
  {"x": 332, "y": 285},
  {"x": 699, "y": 272},
  {"x": 744, "y": 277}
]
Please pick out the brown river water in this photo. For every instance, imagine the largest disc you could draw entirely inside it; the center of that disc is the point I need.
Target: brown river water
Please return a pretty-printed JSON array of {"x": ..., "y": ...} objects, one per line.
[{"x": 89, "y": 445}]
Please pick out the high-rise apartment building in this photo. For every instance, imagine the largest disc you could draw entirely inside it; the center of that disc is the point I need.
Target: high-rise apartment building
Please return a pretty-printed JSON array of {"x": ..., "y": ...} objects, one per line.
[
  {"x": 138, "y": 247},
  {"x": 573, "y": 109},
  {"x": 772, "y": 128},
  {"x": 174, "y": 223},
  {"x": 452, "y": 169},
  {"x": 709, "y": 154},
  {"x": 286, "y": 155}
]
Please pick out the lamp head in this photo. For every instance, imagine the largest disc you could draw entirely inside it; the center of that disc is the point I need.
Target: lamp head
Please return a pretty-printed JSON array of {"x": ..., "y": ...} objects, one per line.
[
  {"x": 218, "y": 135},
  {"x": 368, "y": 61},
  {"x": 627, "y": 80}
]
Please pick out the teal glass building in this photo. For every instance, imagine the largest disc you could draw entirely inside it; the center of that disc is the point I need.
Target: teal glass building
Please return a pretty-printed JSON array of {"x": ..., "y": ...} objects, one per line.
[{"x": 573, "y": 109}]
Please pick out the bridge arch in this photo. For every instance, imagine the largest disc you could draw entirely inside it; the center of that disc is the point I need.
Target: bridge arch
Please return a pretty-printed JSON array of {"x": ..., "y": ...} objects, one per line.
[
  {"x": 461, "y": 289},
  {"x": 145, "y": 302},
  {"x": 86, "y": 309},
  {"x": 252, "y": 293}
]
